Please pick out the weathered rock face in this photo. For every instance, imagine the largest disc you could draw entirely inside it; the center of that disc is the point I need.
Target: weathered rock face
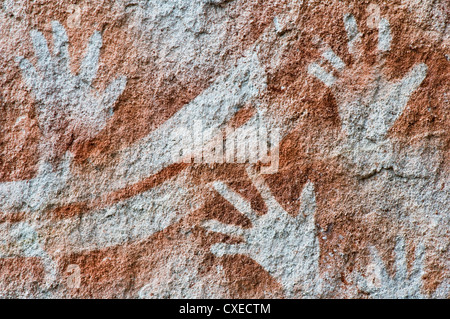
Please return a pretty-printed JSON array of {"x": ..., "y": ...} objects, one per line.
[{"x": 99, "y": 195}]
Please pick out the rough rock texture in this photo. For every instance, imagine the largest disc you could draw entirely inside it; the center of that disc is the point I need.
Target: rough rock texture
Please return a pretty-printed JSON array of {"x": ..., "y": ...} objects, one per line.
[{"x": 93, "y": 204}]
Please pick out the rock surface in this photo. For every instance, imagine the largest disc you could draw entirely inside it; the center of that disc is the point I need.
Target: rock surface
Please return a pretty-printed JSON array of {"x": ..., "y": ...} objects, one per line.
[{"x": 94, "y": 204}]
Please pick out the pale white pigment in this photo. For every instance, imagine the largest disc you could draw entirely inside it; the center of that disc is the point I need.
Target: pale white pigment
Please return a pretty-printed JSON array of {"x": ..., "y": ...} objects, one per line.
[
  {"x": 367, "y": 119},
  {"x": 286, "y": 246},
  {"x": 404, "y": 284}
]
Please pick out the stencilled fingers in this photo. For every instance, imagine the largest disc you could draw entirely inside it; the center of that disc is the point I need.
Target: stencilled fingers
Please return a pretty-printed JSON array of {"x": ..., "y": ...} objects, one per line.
[
  {"x": 316, "y": 70},
  {"x": 221, "y": 249},
  {"x": 419, "y": 261},
  {"x": 401, "y": 262},
  {"x": 307, "y": 202},
  {"x": 353, "y": 35},
  {"x": 368, "y": 111},
  {"x": 354, "y": 44},
  {"x": 80, "y": 107},
  {"x": 399, "y": 95},
  {"x": 401, "y": 270},
  {"x": 61, "y": 46},
  {"x": 89, "y": 65},
  {"x": 236, "y": 200},
  {"x": 225, "y": 229},
  {"x": 112, "y": 94},
  {"x": 384, "y": 36},
  {"x": 276, "y": 240},
  {"x": 61, "y": 58},
  {"x": 264, "y": 191},
  {"x": 411, "y": 82},
  {"x": 29, "y": 72},
  {"x": 334, "y": 59},
  {"x": 403, "y": 283},
  {"x": 44, "y": 59},
  {"x": 244, "y": 207},
  {"x": 59, "y": 62},
  {"x": 380, "y": 269}
]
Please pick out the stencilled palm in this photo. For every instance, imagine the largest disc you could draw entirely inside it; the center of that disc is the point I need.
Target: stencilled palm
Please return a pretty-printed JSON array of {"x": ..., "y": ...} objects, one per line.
[
  {"x": 402, "y": 284},
  {"x": 370, "y": 109},
  {"x": 285, "y": 246},
  {"x": 67, "y": 103}
]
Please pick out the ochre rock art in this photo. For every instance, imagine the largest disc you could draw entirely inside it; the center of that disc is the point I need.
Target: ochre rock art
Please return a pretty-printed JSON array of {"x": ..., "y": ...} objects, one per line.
[
  {"x": 98, "y": 199},
  {"x": 404, "y": 284},
  {"x": 287, "y": 247},
  {"x": 68, "y": 105},
  {"x": 367, "y": 112}
]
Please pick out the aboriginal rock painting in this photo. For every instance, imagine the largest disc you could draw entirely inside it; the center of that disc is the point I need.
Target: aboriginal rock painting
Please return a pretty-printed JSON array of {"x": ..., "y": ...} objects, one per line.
[{"x": 346, "y": 101}]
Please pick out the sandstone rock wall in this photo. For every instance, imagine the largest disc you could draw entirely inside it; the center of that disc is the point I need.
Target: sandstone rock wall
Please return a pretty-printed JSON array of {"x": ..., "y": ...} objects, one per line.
[{"x": 100, "y": 198}]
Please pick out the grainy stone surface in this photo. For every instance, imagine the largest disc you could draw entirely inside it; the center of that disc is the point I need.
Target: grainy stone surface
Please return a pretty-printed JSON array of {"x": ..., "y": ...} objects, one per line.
[{"x": 94, "y": 204}]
